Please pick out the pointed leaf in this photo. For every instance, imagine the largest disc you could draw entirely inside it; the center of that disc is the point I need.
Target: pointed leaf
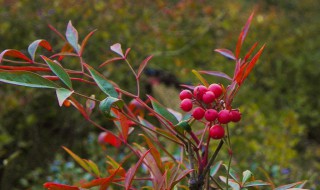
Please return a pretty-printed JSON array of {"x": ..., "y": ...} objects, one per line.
[
  {"x": 24, "y": 68},
  {"x": 59, "y": 71},
  {"x": 117, "y": 49},
  {"x": 127, "y": 52},
  {"x": 255, "y": 183},
  {"x": 231, "y": 183},
  {"x": 79, "y": 107},
  {"x": 103, "y": 83},
  {"x": 106, "y": 105},
  {"x": 66, "y": 50},
  {"x": 155, "y": 153},
  {"x": 26, "y": 78},
  {"x": 94, "y": 167},
  {"x": 246, "y": 175},
  {"x": 182, "y": 175},
  {"x": 216, "y": 73},
  {"x": 110, "y": 138},
  {"x": 72, "y": 37},
  {"x": 198, "y": 75},
  {"x": 81, "y": 162},
  {"x": 302, "y": 184},
  {"x": 246, "y": 27},
  {"x": 250, "y": 51},
  {"x": 85, "y": 41},
  {"x": 215, "y": 168},
  {"x": 34, "y": 46},
  {"x": 252, "y": 63},
  {"x": 163, "y": 111},
  {"x": 143, "y": 65},
  {"x": 132, "y": 171},
  {"x": 63, "y": 94},
  {"x": 15, "y": 54},
  {"x": 57, "y": 32},
  {"x": 57, "y": 186},
  {"x": 103, "y": 182},
  {"x": 227, "y": 53},
  {"x": 232, "y": 173},
  {"x": 110, "y": 61},
  {"x": 285, "y": 187}
]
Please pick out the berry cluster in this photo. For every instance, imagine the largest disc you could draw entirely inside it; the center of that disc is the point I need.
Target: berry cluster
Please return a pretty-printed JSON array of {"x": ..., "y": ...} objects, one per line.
[{"x": 205, "y": 103}]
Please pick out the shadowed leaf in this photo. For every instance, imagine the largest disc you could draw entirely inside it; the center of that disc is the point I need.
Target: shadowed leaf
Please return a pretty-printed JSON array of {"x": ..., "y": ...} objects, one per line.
[
  {"x": 106, "y": 105},
  {"x": 163, "y": 111},
  {"x": 227, "y": 53},
  {"x": 79, "y": 107},
  {"x": 155, "y": 153},
  {"x": 34, "y": 46}
]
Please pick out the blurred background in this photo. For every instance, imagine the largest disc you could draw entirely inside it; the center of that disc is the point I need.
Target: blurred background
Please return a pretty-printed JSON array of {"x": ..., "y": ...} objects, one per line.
[{"x": 280, "y": 129}]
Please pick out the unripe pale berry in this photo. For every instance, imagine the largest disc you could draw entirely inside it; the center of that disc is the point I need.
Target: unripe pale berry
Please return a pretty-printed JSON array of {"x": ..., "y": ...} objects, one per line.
[
  {"x": 216, "y": 89},
  {"x": 185, "y": 94},
  {"x": 224, "y": 116},
  {"x": 186, "y": 105},
  {"x": 211, "y": 115},
  {"x": 216, "y": 132},
  {"x": 199, "y": 91},
  {"x": 198, "y": 113},
  {"x": 235, "y": 115},
  {"x": 208, "y": 97}
]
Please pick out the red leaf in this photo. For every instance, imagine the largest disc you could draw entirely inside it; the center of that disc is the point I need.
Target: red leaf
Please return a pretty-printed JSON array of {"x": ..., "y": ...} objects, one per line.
[
  {"x": 250, "y": 51},
  {"x": 27, "y": 68},
  {"x": 252, "y": 63},
  {"x": 132, "y": 171},
  {"x": 226, "y": 53},
  {"x": 127, "y": 51},
  {"x": 84, "y": 42},
  {"x": 217, "y": 73},
  {"x": 56, "y": 186},
  {"x": 57, "y": 32},
  {"x": 106, "y": 137},
  {"x": 14, "y": 53},
  {"x": 67, "y": 48},
  {"x": 143, "y": 65},
  {"x": 104, "y": 182},
  {"x": 243, "y": 35},
  {"x": 239, "y": 44},
  {"x": 239, "y": 75},
  {"x": 79, "y": 107},
  {"x": 111, "y": 60}
]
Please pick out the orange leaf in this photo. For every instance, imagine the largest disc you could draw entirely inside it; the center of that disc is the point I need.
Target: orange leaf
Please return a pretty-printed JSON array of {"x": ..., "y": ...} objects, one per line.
[
  {"x": 14, "y": 53},
  {"x": 56, "y": 186}
]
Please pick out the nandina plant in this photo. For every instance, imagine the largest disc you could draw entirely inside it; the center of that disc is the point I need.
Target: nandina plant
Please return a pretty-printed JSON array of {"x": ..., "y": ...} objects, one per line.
[{"x": 206, "y": 111}]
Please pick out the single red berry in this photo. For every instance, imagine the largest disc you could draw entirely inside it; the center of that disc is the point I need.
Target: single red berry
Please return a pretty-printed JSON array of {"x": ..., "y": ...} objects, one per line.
[
  {"x": 216, "y": 89},
  {"x": 185, "y": 94},
  {"x": 211, "y": 115},
  {"x": 199, "y": 91},
  {"x": 235, "y": 115},
  {"x": 208, "y": 97},
  {"x": 224, "y": 116},
  {"x": 67, "y": 103},
  {"x": 186, "y": 105},
  {"x": 216, "y": 132},
  {"x": 198, "y": 113}
]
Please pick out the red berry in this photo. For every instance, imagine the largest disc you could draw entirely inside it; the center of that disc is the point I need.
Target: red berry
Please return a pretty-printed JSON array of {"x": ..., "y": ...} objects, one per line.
[
  {"x": 185, "y": 94},
  {"x": 216, "y": 132},
  {"x": 235, "y": 115},
  {"x": 211, "y": 115},
  {"x": 216, "y": 89},
  {"x": 198, "y": 113},
  {"x": 224, "y": 116},
  {"x": 186, "y": 105},
  {"x": 208, "y": 97},
  {"x": 199, "y": 91}
]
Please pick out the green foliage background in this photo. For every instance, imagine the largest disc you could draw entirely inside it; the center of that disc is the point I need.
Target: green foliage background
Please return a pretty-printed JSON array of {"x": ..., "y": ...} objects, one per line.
[{"x": 280, "y": 103}]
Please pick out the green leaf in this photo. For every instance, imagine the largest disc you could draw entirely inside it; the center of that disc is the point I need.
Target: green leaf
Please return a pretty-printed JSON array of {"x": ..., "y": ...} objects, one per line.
[
  {"x": 72, "y": 37},
  {"x": 163, "y": 111},
  {"x": 63, "y": 94},
  {"x": 94, "y": 167},
  {"x": 255, "y": 183},
  {"x": 106, "y": 105},
  {"x": 103, "y": 83},
  {"x": 183, "y": 126},
  {"x": 246, "y": 175},
  {"x": 25, "y": 78},
  {"x": 233, "y": 174},
  {"x": 215, "y": 168},
  {"x": 81, "y": 162},
  {"x": 285, "y": 187},
  {"x": 231, "y": 183},
  {"x": 59, "y": 71},
  {"x": 302, "y": 184},
  {"x": 34, "y": 46}
]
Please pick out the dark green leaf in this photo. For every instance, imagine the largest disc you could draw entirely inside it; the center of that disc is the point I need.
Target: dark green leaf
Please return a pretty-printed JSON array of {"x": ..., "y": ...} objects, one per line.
[
  {"x": 106, "y": 105},
  {"x": 103, "y": 83},
  {"x": 163, "y": 111},
  {"x": 59, "y": 71},
  {"x": 25, "y": 78},
  {"x": 63, "y": 94},
  {"x": 72, "y": 37},
  {"x": 34, "y": 46}
]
